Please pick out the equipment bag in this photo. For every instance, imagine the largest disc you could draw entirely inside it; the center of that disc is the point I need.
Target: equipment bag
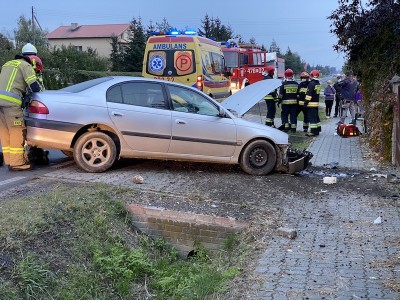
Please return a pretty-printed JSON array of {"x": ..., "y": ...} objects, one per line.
[{"x": 347, "y": 130}]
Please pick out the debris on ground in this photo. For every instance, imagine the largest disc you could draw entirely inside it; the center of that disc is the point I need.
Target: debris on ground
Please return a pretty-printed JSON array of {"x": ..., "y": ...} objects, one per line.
[
  {"x": 287, "y": 232},
  {"x": 138, "y": 179}
]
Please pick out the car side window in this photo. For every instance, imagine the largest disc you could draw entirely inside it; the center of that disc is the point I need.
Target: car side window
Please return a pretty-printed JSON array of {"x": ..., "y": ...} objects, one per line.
[
  {"x": 114, "y": 94},
  {"x": 138, "y": 93},
  {"x": 185, "y": 100}
]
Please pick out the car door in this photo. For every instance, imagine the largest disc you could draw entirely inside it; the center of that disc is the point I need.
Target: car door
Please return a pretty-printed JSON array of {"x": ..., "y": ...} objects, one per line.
[
  {"x": 139, "y": 112},
  {"x": 197, "y": 128}
]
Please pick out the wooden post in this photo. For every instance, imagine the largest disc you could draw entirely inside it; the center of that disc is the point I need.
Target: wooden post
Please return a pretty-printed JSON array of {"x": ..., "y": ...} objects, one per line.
[{"x": 396, "y": 123}]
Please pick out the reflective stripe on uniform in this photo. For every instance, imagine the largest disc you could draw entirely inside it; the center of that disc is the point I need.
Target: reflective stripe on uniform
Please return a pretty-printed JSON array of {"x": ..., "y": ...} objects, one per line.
[
  {"x": 269, "y": 97},
  {"x": 301, "y": 103},
  {"x": 313, "y": 104},
  {"x": 10, "y": 97},
  {"x": 289, "y": 101},
  {"x": 6, "y": 149},
  {"x": 16, "y": 150}
]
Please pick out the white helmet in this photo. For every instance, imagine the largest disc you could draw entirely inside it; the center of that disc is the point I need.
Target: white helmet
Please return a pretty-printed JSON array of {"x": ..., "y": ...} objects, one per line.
[{"x": 29, "y": 49}]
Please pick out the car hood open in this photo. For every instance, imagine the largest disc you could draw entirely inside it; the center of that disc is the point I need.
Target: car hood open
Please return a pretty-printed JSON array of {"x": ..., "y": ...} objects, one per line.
[{"x": 246, "y": 98}]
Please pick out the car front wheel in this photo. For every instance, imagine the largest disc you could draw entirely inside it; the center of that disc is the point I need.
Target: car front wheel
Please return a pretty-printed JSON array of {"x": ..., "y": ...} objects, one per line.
[
  {"x": 258, "y": 158},
  {"x": 95, "y": 152}
]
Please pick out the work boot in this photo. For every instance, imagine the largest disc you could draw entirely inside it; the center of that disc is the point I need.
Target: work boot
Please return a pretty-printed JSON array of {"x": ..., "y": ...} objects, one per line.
[{"x": 26, "y": 167}]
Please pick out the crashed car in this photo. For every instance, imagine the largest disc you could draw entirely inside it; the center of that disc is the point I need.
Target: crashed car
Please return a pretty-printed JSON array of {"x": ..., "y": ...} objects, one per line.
[{"x": 101, "y": 120}]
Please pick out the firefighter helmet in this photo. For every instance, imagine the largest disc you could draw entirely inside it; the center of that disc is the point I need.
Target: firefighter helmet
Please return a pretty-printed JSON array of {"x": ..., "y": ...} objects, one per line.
[
  {"x": 36, "y": 63},
  {"x": 304, "y": 75},
  {"x": 270, "y": 70},
  {"x": 314, "y": 73},
  {"x": 29, "y": 49},
  {"x": 289, "y": 73}
]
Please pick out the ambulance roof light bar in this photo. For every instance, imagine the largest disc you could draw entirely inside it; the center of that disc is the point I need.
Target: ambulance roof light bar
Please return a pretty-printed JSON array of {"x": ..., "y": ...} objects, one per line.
[{"x": 174, "y": 31}]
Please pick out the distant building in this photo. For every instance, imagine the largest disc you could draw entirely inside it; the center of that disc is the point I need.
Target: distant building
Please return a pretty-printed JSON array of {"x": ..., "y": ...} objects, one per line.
[{"x": 96, "y": 37}]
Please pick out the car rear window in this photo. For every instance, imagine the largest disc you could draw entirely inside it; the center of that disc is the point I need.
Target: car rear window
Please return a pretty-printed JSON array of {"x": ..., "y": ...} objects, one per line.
[{"x": 79, "y": 87}]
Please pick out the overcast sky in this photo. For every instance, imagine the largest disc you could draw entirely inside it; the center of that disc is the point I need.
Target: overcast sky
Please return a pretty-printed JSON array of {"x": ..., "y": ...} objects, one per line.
[{"x": 301, "y": 25}]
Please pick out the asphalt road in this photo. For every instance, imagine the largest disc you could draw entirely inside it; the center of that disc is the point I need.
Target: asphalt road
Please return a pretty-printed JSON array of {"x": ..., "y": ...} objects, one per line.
[{"x": 9, "y": 179}]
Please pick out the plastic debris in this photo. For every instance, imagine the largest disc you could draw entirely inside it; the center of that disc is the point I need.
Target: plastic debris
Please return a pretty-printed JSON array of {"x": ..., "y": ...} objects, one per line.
[
  {"x": 330, "y": 180},
  {"x": 378, "y": 220},
  {"x": 379, "y": 175}
]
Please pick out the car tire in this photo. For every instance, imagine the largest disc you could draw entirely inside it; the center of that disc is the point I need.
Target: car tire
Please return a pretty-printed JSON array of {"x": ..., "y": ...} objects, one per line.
[
  {"x": 67, "y": 153},
  {"x": 258, "y": 158},
  {"x": 95, "y": 152}
]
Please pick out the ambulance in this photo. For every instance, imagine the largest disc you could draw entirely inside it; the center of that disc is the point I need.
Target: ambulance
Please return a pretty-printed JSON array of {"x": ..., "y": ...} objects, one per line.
[{"x": 188, "y": 59}]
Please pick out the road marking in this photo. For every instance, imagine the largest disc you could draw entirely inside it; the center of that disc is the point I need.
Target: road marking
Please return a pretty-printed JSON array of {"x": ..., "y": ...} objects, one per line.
[{"x": 12, "y": 180}]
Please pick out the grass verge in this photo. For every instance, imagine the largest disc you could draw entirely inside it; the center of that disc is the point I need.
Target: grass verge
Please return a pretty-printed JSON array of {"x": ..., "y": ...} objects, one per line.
[{"x": 76, "y": 242}]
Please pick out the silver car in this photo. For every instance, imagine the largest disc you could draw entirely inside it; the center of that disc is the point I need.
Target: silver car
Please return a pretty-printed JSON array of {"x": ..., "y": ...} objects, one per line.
[{"x": 101, "y": 120}]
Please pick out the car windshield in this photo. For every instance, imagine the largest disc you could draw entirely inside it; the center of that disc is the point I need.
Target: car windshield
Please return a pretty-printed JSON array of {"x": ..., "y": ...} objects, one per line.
[{"x": 79, "y": 87}]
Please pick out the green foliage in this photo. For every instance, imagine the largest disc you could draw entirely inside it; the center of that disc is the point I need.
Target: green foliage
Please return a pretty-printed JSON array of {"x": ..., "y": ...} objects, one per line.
[
  {"x": 293, "y": 61},
  {"x": 134, "y": 51},
  {"x": 5, "y": 43},
  {"x": 27, "y": 33},
  {"x": 94, "y": 253},
  {"x": 122, "y": 265},
  {"x": 213, "y": 28},
  {"x": 369, "y": 34},
  {"x": 32, "y": 277}
]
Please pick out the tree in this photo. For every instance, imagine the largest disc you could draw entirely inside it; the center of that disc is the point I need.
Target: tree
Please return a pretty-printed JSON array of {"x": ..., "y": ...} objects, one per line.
[
  {"x": 117, "y": 55},
  {"x": 275, "y": 48},
  {"x": 163, "y": 26},
  {"x": 293, "y": 61},
  {"x": 134, "y": 52},
  {"x": 214, "y": 29},
  {"x": 5, "y": 43},
  {"x": 27, "y": 33}
]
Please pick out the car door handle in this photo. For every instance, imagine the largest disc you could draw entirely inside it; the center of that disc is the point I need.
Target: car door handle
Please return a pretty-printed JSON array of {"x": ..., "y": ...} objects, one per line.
[
  {"x": 117, "y": 114},
  {"x": 177, "y": 121}
]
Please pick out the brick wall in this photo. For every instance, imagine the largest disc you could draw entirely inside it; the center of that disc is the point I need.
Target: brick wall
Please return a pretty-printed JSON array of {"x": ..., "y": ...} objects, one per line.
[{"x": 182, "y": 229}]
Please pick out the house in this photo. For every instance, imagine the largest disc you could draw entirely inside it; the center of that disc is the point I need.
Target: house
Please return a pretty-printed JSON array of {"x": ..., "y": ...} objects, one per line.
[{"x": 96, "y": 37}]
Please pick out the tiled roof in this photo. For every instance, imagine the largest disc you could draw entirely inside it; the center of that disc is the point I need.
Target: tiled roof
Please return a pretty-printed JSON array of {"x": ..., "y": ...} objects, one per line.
[{"x": 87, "y": 31}]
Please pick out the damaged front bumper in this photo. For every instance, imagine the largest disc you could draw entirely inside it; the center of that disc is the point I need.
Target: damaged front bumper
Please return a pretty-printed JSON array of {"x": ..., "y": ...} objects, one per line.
[{"x": 291, "y": 160}]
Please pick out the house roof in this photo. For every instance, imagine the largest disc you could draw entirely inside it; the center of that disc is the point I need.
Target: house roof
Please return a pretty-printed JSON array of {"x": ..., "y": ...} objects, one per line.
[{"x": 87, "y": 31}]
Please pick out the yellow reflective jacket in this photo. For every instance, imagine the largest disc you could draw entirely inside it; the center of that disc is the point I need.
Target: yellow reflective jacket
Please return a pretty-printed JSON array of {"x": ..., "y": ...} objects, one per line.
[{"x": 15, "y": 77}]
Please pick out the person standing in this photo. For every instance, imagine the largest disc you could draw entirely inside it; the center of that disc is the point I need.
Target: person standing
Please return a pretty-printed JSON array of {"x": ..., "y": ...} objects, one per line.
[
  {"x": 301, "y": 96},
  {"x": 270, "y": 99},
  {"x": 288, "y": 100},
  {"x": 16, "y": 78},
  {"x": 329, "y": 93},
  {"x": 349, "y": 89},
  {"x": 312, "y": 103},
  {"x": 338, "y": 96}
]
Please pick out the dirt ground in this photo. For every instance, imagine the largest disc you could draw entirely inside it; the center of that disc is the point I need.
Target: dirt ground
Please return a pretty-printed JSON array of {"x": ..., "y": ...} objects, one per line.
[{"x": 265, "y": 202}]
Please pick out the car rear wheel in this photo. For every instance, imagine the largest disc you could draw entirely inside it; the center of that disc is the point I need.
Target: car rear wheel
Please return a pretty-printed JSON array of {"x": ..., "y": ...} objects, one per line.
[
  {"x": 95, "y": 152},
  {"x": 258, "y": 158}
]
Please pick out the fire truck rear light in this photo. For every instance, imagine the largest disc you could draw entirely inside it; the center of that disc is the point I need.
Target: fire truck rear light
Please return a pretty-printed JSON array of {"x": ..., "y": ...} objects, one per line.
[{"x": 37, "y": 107}]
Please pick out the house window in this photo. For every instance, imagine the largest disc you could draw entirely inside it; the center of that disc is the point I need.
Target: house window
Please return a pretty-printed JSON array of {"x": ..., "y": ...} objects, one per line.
[{"x": 79, "y": 48}]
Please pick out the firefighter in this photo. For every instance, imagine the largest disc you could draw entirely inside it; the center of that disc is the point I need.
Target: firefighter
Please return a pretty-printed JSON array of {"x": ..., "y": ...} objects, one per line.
[
  {"x": 270, "y": 99},
  {"x": 288, "y": 100},
  {"x": 301, "y": 96},
  {"x": 17, "y": 77},
  {"x": 312, "y": 103}
]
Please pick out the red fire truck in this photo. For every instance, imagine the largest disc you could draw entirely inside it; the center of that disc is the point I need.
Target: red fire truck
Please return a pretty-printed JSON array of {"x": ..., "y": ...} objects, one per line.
[{"x": 248, "y": 62}]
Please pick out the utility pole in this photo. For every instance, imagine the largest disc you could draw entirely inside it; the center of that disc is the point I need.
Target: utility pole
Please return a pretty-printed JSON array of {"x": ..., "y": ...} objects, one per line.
[{"x": 33, "y": 25}]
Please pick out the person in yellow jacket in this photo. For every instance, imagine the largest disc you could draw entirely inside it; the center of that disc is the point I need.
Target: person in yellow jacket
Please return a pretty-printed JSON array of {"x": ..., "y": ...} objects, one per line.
[{"x": 17, "y": 79}]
